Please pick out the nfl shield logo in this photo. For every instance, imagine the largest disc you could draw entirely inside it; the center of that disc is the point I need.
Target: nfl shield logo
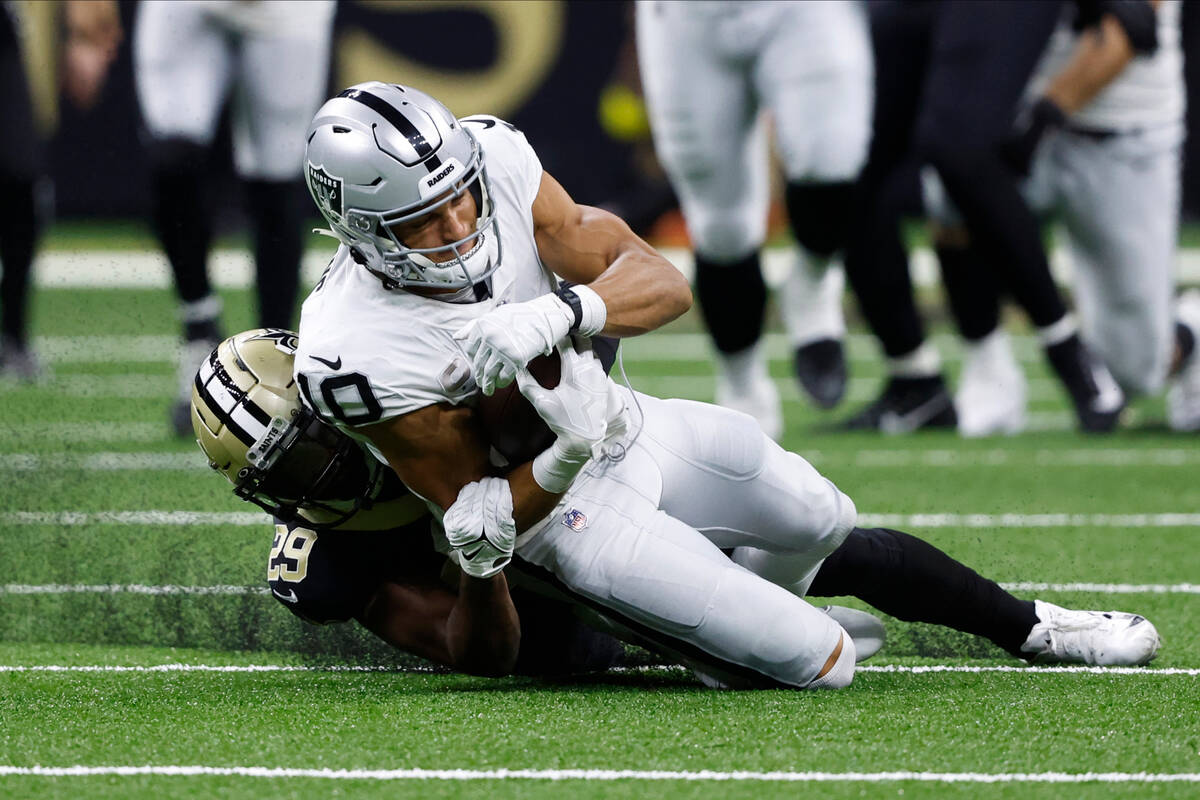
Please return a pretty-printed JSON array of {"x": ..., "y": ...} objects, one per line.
[
  {"x": 326, "y": 189},
  {"x": 575, "y": 519}
]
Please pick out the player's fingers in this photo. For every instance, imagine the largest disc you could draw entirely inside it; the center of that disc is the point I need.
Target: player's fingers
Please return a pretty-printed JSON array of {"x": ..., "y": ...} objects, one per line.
[
  {"x": 492, "y": 366},
  {"x": 506, "y": 376}
]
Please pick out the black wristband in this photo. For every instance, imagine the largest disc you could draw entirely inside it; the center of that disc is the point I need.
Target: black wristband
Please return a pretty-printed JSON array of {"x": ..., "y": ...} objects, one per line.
[{"x": 572, "y": 300}]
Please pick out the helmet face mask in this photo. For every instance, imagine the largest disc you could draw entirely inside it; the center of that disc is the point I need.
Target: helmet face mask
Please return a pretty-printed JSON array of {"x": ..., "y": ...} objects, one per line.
[
  {"x": 249, "y": 422},
  {"x": 380, "y": 155}
]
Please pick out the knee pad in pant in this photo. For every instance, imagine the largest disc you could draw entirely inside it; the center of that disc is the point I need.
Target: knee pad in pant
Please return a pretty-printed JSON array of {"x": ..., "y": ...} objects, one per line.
[{"x": 820, "y": 215}]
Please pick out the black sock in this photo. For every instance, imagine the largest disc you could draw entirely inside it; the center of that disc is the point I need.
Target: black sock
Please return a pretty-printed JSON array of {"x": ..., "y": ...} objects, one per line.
[
  {"x": 1186, "y": 341},
  {"x": 910, "y": 579},
  {"x": 972, "y": 291},
  {"x": 733, "y": 300},
  {"x": 276, "y": 211},
  {"x": 181, "y": 222},
  {"x": 877, "y": 270},
  {"x": 18, "y": 235}
]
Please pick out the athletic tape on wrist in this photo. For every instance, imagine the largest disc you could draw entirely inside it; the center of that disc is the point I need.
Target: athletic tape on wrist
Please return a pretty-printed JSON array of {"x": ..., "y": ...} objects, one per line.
[
  {"x": 588, "y": 309},
  {"x": 555, "y": 468}
]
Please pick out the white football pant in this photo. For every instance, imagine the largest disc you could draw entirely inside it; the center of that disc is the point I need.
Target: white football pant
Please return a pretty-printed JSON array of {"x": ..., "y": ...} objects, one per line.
[{"x": 640, "y": 541}]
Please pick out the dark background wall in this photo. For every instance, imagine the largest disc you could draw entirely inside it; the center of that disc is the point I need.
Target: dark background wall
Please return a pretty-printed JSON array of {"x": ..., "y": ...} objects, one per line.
[{"x": 540, "y": 65}]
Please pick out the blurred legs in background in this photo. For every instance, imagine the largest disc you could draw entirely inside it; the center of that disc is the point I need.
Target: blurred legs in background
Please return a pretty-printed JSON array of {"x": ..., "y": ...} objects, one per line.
[
  {"x": 708, "y": 70},
  {"x": 271, "y": 63},
  {"x": 20, "y": 169}
]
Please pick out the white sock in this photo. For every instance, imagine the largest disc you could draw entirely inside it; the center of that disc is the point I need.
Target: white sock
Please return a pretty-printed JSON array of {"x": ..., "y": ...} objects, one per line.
[{"x": 924, "y": 362}]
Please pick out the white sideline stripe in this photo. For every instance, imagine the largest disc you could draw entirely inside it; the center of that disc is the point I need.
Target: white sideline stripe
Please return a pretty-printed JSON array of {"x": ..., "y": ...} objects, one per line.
[
  {"x": 235, "y": 269},
  {"x": 98, "y": 431},
  {"x": 1157, "y": 520},
  {"x": 874, "y": 459},
  {"x": 611, "y": 775},
  {"x": 103, "y": 462},
  {"x": 924, "y": 669},
  {"x": 658, "y": 346},
  {"x": 173, "y": 589},
  {"x": 1107, "y": 457},
  {"x": 130, "y": 588}
]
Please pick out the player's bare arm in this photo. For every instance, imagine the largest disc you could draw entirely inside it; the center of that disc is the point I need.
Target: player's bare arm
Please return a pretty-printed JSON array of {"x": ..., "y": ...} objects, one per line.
[
  {"x": 641, "y": 290},
  {"x": 1100, "y": 55},
  {"x": 439, "y": 449},
  {"x": 475, "y": 631}
]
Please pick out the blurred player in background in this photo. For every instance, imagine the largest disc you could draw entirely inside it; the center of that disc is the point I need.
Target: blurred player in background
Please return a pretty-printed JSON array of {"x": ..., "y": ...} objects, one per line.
[
  {"x": 709, "y": 70},
  {"x": 93, "y": 31},
  {"x": 1100, "y": 143},
  {"x": 270, "y": 60},
  {"x": 949, "y": 77}
]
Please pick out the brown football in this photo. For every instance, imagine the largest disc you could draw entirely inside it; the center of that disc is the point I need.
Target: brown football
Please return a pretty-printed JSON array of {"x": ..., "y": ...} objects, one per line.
[{"x": 510, "y": 422}]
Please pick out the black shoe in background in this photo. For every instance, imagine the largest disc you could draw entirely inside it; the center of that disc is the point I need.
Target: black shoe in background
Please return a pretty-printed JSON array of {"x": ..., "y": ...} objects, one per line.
[
  {"x": 821, "y": 368},
  {"x": 907, "y": 405},
  {"x": 1097, "y": 398}
]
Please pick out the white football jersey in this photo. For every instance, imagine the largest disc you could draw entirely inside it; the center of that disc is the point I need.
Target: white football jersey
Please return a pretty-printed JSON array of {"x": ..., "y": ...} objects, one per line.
[
  {"x": 272, "y": 17},
  {"x": 367, "y": 353},
  {"x": 1149, "y": 92}
]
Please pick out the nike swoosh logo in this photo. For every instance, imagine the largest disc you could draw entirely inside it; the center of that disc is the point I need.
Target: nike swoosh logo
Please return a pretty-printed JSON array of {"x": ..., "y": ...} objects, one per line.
[
  {"x": 471, "y": 556},
  {"x": 891, "y": 422},
  {"x": 334, "y": 365},
  {"x": 290, "y": 597}
]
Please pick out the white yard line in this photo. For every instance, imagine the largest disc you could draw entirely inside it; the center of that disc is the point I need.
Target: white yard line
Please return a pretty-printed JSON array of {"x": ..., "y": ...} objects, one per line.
[
  {"x": 660, "y": 346},
  {"x": 920, "y": 669},
  {"x": 874, "y": 459},
  {"x": 235, "y": 268},
  {"x": 72, "y": 432},
  {"x": 173, "y": 518},
  {"x": 609, "y": 775},
  {"x": 228, "y": 589}
]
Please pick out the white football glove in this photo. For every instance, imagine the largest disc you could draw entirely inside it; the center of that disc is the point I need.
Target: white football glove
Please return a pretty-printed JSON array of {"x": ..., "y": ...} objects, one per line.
[
  {"x": 504, "y": 340},
  {"x": 480, "y": 528},
  {"x": 577, "y": 411}
]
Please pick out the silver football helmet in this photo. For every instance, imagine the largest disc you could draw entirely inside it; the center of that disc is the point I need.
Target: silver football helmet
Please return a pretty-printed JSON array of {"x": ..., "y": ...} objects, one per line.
[
  {"x": 248, "y": 420},
  {"x": 380, "y": 154}
]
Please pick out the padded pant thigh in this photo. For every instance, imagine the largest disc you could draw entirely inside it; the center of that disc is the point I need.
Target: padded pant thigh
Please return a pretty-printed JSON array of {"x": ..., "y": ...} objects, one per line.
[
  {"x": 664, "y": 581},
  {"x": 182, "y": 68},
  {"x": 281, "y": 82},
  {"x": 703, "y": 116},
  {"x": 724, "y": 477}
]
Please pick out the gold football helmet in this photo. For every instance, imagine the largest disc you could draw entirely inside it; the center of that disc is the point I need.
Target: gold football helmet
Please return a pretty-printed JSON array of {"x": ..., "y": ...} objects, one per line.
[{"x": 250, "y": 423}]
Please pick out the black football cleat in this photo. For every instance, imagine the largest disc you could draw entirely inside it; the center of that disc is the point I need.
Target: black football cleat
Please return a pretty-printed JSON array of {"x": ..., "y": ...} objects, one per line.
[
  {"x": 907, "y": 405},
  {"x": 1097, "y": 398},
  {"x": 821, "y": 368}
]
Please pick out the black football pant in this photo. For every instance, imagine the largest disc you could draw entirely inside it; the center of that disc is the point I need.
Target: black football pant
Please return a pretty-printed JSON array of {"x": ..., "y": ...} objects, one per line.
[
  {"x": 948, "y": 78},
  {"x": 20, "y": 168}
]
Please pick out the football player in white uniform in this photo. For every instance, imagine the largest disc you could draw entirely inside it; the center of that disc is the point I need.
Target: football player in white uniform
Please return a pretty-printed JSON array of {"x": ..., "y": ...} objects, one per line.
[
  {"x": 351, "y": 542},
  {"x": 444, "y": 288},
  {"x": 271, "y": 60},
  {"x": 709, "y": 70},
  {"x": 1100, "y": 145}
]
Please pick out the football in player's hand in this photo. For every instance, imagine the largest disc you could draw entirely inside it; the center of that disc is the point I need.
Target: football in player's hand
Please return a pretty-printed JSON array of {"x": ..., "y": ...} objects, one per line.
[{"x": 511, "y": 424}]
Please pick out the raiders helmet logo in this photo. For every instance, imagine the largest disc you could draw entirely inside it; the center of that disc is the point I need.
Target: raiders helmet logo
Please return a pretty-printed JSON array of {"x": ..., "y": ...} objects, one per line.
[{"x": 327, "y": 190}]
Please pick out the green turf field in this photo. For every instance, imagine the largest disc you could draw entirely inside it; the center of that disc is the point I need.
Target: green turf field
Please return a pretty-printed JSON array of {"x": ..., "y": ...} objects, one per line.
[{"x": 129, "y": 622}]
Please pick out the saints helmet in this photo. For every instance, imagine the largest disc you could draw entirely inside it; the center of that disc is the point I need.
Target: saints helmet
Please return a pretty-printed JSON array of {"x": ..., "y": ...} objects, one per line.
[
  {"x": 250, "y": 423},
  {"x": 380, "y": 154}
]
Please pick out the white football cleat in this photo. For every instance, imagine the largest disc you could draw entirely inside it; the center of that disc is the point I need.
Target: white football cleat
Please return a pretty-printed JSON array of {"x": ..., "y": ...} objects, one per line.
[
  {"x": 864, "y": 628},
  {"x": 992, "y": 391},
  {"x": 1183, "y": 397},
  {"x": 1100, "y": 638},
  {"x": 744, "y": 385}
]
